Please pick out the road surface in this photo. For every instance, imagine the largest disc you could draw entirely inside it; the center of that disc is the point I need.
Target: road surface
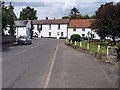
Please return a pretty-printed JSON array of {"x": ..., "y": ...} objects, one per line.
[{"x": 48, "y": 63}]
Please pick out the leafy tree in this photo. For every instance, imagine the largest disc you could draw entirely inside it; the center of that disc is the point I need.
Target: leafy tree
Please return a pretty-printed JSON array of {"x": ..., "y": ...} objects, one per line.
[
  {"x": 74, "y": 13},
  {"x": 28, "y": 13},
  {"x": 117, "y": 13},
  {"x": 11, "y": 19},
  {"x": 7, "y": 18},
  {"x": 106, "y": 23},
  {"x": 85, "y": 17},
  {"x": 93, "y": 17},
  {"x": 65, "y": 17}
]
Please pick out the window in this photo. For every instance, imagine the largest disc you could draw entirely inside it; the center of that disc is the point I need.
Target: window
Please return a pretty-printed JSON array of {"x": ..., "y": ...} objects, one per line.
[
  {"x": 61, "y": 34},
  {"x": 49, "y": 26},
  {"x": 93, "y": 36},
  {"x": 83, "y": 29},
  {"x": 74, "y": 29},
  {"x": 58, "y": 26},
  {"x": 39, "y": 27},
  {"x": 83, "y": 35},
  {"x": 49, "y": 34},
  {"x": 57, "y": 33}
]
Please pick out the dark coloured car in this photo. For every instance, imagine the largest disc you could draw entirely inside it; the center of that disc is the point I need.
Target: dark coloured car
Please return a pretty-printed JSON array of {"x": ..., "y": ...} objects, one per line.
[{"x": 24, "y": 40}]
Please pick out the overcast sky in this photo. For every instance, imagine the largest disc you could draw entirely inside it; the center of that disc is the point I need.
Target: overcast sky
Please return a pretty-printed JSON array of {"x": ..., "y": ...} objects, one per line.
[{"x": 58, "y": 8}]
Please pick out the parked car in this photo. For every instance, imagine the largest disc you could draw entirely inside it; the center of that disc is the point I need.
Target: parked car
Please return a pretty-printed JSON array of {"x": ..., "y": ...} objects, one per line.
[{"x": 24, "y": 40}]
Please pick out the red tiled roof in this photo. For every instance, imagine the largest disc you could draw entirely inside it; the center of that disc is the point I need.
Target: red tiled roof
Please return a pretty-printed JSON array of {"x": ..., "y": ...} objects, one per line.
[{"x": 81, "y": 23}]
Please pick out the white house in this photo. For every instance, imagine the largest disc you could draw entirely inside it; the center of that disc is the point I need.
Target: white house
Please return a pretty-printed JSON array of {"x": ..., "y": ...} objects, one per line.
[
  {"x": 23, "y": 28},
  {"x": 55, "y": 28},
  {"x": 82, "y": 27}
]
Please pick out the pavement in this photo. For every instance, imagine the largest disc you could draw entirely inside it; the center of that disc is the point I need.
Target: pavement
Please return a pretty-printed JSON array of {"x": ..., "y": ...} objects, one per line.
[{"x": 48, "y": 63}]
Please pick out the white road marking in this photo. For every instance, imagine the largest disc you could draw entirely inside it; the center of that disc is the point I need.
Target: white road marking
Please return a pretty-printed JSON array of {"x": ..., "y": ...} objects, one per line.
[
  {"x": 50, "y": 70},
  {"x": 33, "y": 46},
  {"x": 4, "y": 58},
  {"x": 22, "y": 51},
  {"x": 1, "y": 60},
  {"x": 11, "y": 47}
]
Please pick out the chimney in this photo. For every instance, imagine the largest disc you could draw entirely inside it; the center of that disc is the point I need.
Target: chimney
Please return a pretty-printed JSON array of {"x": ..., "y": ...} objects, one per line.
[{"x": 46, "y": 18}]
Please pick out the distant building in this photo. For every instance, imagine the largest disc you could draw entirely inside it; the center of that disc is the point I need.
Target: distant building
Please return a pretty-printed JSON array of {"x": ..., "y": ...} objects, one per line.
[
  {"x": 23, "y": 28},
  {"x": 52, "y": 28},
  {"x": 57, "y": 28},
  {"x": 82, "y": 27}
]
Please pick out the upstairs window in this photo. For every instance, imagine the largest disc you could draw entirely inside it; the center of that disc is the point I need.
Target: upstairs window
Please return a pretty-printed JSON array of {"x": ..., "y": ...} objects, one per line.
[
  {"x": 74, "y": 29},
  {"x": 58, "y": 26},
  {"x": 83, "y": 29},
  {"x": 83, "y": 35},
  {"x": 49, "y": 26},
  {"x": 61, "y": 34}
]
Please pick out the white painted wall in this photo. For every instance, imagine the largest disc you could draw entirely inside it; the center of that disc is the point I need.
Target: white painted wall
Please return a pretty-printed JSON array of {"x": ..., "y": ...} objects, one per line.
[
  {"x": 80, "y": 32},
  {"x": 96, "y": 36},
  {"x": 21, "y": 31},
  {"x": 36, "y": 31},
  {"x": 63, "y": 28},
  {"x": 6, "y": 32},
  {"x": 54, "y": 30}
]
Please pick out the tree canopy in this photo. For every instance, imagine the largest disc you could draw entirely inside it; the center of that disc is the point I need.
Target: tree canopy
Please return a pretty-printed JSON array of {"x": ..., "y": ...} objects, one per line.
[
  {"x": 7, "y": 18},
  {"x": 107, "y": 21},
  {"x": 75, "y": 14},
  {"x": 28, "y": 13}
]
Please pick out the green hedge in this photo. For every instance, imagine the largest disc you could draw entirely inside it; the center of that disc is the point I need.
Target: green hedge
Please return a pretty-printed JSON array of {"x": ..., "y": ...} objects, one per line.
[{"x": 75, "y": 37}]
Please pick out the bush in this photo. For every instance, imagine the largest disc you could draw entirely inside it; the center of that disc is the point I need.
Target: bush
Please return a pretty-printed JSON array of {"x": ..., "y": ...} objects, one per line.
[
  {"x": 118, "y": 45},
  {"x": 118, "y": 52},
  {"x": 75, "y": 37}
]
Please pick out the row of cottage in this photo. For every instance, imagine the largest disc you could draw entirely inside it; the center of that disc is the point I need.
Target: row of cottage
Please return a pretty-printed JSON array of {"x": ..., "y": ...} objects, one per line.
[{"x": 56, "y": 28}]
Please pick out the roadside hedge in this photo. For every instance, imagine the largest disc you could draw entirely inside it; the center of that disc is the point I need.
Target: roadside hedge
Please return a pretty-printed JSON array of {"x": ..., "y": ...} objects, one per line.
[{"x": 75, "y": 37}]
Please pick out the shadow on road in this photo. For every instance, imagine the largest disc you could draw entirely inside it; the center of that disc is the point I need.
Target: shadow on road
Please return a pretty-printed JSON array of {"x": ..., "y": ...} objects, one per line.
[{"x": 5, "y": 47}]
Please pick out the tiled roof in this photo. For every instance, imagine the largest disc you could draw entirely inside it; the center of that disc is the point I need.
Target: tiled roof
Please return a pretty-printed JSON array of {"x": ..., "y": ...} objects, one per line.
[
  {"x": 51, "y": 21},
  {"x": 21, "y": 23},
  {"x": 81, "y": 23}
]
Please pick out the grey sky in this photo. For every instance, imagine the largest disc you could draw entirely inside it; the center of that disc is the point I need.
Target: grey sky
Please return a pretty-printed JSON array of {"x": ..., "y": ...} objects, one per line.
[{"x": 58, "y": 8}]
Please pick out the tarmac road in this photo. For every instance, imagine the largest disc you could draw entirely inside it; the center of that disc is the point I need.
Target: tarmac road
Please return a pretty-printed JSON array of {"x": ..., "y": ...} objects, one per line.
[{"x": 48, "y": 63}]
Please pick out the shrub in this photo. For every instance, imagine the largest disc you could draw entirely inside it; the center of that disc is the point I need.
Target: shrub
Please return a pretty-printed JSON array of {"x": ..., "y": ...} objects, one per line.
[
  {"x": 75, "y": 37},
  {"x": 118, "y": 45},
  {"x": 118, "y": 53}
]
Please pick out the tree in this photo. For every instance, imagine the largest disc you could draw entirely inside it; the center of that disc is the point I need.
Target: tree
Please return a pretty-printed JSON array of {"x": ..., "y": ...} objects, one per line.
[
  {"x": 11, "y": 19},
  {"x": 74, "y": 13},
  {"x": 28, "y": 13},
  {"x": 65, "y": 17},
  {"x": 106, "y": 23},
  {"x": 85, "y": 17},
  {"x": 117, "y": 13},
  {"x": 93, "y": 17},
  {"x": 7, "y": 18}
]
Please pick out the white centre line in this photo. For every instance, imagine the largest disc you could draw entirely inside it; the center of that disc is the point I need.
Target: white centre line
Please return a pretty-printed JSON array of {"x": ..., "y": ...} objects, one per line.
[
  {"x": 0, "y": 60},
  {"x": 22, "y": 51},
  {"x": 33, "y": 46},
  {"x": 50, "y": 70},
  {"x": 4, "y": 58}
]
